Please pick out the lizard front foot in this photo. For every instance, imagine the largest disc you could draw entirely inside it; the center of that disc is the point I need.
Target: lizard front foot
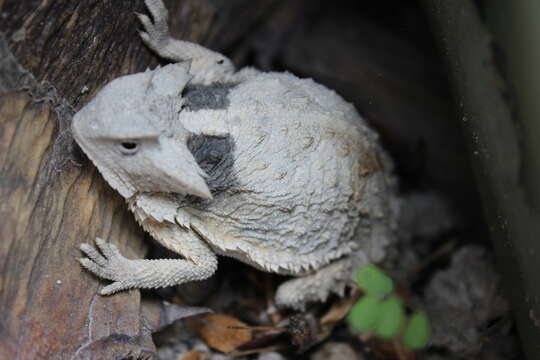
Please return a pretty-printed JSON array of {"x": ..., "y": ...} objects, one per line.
[{"x": 110, "y": 265}]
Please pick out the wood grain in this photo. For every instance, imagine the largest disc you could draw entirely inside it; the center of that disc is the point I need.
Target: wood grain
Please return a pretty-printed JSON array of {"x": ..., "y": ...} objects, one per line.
[
  {"x": 49, "y": 305},
  {"x": 51, "y": 197}
]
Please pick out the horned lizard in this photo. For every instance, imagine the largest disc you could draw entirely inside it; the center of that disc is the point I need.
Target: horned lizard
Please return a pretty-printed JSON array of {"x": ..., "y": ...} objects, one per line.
[{"x": 276, "y": 171}]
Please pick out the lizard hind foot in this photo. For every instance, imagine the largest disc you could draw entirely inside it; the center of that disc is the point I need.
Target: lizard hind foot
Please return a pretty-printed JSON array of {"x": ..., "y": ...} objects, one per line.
[
  {"x": 333, "y": 278},
  {"x": 208, "y": 66},
  {"x": 155, "y": 33}
]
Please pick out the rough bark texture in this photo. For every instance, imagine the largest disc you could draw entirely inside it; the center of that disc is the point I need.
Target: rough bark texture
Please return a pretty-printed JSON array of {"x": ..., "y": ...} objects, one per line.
[
  {"x": 49, "y": 306},
  {"x": 51, "y": 198},
  {"x": 85, "y": 44}
]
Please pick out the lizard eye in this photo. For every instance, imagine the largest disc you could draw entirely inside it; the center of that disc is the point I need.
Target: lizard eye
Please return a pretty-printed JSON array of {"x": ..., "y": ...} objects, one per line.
[
  {"x": 129, "y": 147},
  {"x": 220, "y": 62}
]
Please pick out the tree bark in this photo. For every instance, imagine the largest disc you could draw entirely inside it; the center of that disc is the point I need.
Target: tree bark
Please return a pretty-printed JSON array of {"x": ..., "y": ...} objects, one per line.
[
  {"x": 501, "y": 153},
  {"x": 57, "y": 55}
]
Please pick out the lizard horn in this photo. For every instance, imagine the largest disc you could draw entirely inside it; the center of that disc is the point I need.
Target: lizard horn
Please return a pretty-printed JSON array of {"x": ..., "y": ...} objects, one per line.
[{"x": 170, "y": 80}]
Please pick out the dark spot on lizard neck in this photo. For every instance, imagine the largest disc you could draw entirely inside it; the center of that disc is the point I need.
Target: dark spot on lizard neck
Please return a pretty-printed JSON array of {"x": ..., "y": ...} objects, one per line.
[
  {"x": 213, "y": 96},
  {"x": 215, "y": 155}
]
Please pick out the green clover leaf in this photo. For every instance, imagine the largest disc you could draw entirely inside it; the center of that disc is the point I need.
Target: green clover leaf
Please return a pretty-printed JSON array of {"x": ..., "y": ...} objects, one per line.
[
  {"x": 364, "y": 314},
  {"x": 390, "y": 318},
  {"x": 417, "y": 332},
  {"x": 374, "y": 281}
]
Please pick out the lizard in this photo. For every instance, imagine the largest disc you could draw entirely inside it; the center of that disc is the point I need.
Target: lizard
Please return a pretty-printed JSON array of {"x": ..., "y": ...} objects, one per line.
[{"x": 276, "y": 171}]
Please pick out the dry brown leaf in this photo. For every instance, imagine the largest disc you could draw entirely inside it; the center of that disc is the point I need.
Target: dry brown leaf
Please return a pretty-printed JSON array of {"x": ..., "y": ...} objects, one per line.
[
  {"x": 196, "y": 355},
  {"x": 390, "y": 350},
  {"x": 215, "y": 330},
  {"x": 339, "y": 310}
]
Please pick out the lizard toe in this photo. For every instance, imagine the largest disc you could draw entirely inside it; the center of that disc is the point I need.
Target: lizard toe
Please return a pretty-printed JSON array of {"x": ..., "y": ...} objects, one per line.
[
  {"x": 114, "y": 288},
  {"x": 94, "y": 268},
  {"x": 93, "y": 254}
]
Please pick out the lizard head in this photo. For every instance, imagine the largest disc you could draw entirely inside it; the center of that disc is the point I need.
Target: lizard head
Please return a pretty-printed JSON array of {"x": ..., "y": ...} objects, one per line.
[{"x": 131, "y": 132}]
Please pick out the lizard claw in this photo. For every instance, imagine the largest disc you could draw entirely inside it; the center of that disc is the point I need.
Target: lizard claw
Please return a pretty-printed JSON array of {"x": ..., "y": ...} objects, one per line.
[
  {"x": 159, "y": 13},
  {"x": 108, "y": 263},
  {"x": 114, "y": 288}
]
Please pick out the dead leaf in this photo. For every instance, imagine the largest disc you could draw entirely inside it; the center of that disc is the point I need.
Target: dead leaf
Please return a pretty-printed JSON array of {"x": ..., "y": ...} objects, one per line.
[
  {"x": 390, "y": 350},
  {"x": 274, "y": 339},
  {"x": 196, "y": 355},
  {"x": 215, "y": 330},
  {"x": 159, "y": 314},
  {"x": 339, "y": 310}
]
